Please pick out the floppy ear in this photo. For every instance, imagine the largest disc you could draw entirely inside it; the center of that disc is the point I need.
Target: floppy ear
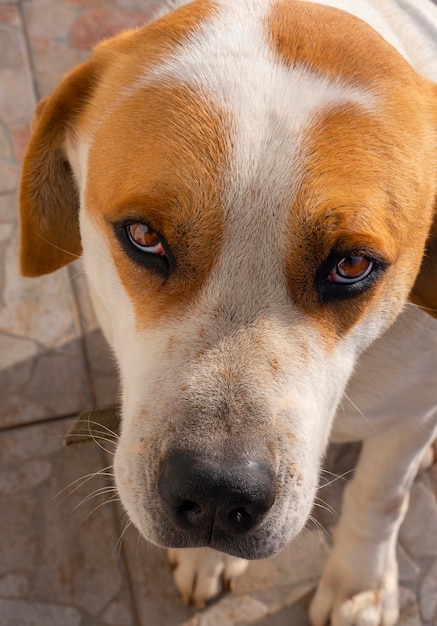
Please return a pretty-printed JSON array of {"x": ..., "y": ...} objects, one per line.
[
  {"x": 424, "y": 292},
  {"x": 49, "y": 203}
]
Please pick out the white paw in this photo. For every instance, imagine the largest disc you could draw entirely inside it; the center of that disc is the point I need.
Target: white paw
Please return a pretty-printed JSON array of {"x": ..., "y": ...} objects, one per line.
[
  {"x": 342, "y": 601},
  {"x": 201, "y": 574},
  {"x": 429, "y": 457}
]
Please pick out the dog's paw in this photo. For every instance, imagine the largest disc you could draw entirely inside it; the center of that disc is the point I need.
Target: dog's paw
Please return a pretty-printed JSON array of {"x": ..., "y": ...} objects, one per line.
[
  {"x": 340, "y": 602},
  {"x": 429, "y": 458},
  {"x": 201, "y": 574}
]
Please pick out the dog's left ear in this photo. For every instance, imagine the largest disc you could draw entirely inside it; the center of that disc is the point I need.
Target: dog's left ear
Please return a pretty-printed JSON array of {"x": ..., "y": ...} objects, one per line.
[
  {"x": 49, "y": 203},
  {"x": 424, "y": 292}
]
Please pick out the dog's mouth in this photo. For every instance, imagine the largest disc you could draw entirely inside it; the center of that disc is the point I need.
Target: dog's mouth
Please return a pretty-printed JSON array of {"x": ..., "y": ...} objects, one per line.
[
  {"x": 264, "y": 542},
  {"x": 245, "y": 507},
  {"x": 270, "y": 535},
  {"x": 257, "y": 545}
]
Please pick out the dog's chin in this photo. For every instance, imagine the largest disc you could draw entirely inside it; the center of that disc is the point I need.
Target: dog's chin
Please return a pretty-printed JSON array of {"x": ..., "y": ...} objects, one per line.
[{"x": 263, "y": 544}]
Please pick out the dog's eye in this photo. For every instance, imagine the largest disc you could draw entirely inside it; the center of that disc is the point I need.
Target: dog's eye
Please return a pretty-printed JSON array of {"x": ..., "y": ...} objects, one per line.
[
  {"x": 349, "y": 274},
  {"x": 351, "y": 269},
  {"x": 145, "y": 238},
  {"x": 145, "y": 246}
]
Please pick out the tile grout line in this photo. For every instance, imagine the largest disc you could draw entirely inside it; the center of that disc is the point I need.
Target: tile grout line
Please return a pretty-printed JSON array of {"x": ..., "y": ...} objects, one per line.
[
  {"x": 129, "y": 577},
  {"x": 37, "y": 422},
  {"x": 29, "y": 54}
]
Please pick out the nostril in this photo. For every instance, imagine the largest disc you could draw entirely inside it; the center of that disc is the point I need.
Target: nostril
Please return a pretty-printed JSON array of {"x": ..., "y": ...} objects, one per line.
[
  {"x": 240, "y": 520},
  {"x": 239, "y": 515},
  {"x": 190, "y": 512},
  {"x": 188, "y": 506}
]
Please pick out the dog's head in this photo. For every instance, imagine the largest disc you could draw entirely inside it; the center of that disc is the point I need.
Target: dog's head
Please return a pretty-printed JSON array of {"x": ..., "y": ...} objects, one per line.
[{"x": 253, "y": 191}]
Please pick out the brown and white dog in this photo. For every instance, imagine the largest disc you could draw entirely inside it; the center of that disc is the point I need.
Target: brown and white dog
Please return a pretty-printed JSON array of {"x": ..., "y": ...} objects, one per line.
[{"x": 253, "y": 185}]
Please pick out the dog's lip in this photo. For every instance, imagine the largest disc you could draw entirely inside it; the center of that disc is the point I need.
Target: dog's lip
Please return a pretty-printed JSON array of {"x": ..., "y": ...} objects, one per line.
[
  {"x": 248, "y": 548},
  {"x": 251, "y": 548},
  {"x": 260, "y": 544}
]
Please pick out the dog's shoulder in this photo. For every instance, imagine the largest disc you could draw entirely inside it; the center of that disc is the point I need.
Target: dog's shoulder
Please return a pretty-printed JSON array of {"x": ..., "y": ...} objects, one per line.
[{"x": 395, "y": 380}]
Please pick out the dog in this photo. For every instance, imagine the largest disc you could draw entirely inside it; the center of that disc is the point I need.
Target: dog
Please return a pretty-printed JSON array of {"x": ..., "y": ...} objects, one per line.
[{"x": 253, "y": 187}]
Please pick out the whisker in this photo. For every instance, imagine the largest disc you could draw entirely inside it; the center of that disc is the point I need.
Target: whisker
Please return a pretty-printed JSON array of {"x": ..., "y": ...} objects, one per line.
[
  {"x": 138, "y": 542},
  {"x": 320, "y": 486},
  {"x": 337, "y": 477},
  {"x": 77, "y": 256},
  {"x": 93, "y": 437},
  {"x": 369, "y": 422},
  {"x": 98, "y": 507},
  {"x": 317, "y": 524},
  {"x": 108, "y": 430},
  {"x": 98, "y": 492},
  {"x": 420, "y": 306},
  {"x": 120, "y": 540},
  {"x": 82, "y": 480},
  {"x": 78, "y": 273},
  {"x": 99, "y": 444},
  {"x": 341, "y": 405},
  {"x": 325, "y": 471},
  {"x": 327, "y": 507}
]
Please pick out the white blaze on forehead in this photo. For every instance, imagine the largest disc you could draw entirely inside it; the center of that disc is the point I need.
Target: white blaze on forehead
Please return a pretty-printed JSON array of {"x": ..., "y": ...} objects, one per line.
[
  {"x": 230, "y": 58},
  {"x": 270, "y": 107}
]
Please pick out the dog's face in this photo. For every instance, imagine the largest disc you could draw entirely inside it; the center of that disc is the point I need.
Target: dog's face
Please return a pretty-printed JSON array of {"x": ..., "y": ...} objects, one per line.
[{"x": 255, "y": 201}]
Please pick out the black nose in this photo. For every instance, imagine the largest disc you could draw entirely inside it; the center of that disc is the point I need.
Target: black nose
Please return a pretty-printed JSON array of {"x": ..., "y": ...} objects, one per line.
[{"x": 229, "y": 496}]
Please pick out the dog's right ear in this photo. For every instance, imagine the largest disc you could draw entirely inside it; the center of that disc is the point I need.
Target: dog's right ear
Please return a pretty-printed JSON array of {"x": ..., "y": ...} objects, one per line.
[
  {"x": 49, "y": 202},
  {"x": 424, "y": 292}
]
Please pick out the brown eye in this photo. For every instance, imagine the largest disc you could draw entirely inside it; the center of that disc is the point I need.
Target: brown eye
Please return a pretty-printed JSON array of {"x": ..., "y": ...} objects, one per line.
[
  {"x": 145, "y": 238},
  {"x": 351, "y": 269}
]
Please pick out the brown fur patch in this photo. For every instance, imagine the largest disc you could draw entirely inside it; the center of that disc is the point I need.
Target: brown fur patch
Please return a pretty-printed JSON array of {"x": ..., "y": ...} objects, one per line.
[
  {"x": 364, "y": 189},
  {"x": 333, "y": 43},
  {"x": 367, "y": 182},
  {"x": 164, "y": 166}
]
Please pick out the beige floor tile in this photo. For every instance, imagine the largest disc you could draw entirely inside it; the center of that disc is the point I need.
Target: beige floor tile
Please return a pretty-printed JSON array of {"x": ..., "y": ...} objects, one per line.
[
  {"x": 158, "y": 600},
  {"x": 42, "y": 366},
  {"x": 52, "y": 569},
  {"x": 62, "y": 33},
  {"x": 419, "y": 530},
  {"x": 16, "y": 96}
]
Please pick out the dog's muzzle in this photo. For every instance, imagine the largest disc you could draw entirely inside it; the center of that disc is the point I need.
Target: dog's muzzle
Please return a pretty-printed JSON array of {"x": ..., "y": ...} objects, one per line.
[{"x": 215, "y": 500}]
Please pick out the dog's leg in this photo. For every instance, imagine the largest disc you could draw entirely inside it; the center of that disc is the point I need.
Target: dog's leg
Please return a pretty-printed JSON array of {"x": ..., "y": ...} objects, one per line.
[
  {"x": 359, "y": 585},
  {"x": 201, "y": 574}
]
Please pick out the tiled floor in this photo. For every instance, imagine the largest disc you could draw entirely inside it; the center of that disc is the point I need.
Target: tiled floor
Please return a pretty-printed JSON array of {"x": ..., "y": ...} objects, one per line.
[{"x": 62, "y": 562}]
